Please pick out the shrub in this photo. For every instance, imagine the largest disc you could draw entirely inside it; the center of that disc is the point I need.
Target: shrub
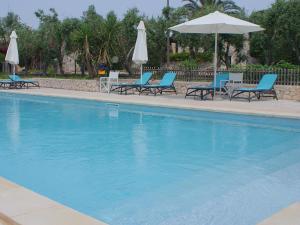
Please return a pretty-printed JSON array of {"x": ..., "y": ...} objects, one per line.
[
  {"x": 204, "y": 57},
  {"x": 2, "y": 57},
  {"x": 179, "y": 57},
  {"x": 188, "y": 64},
  {"x": 282, "y": 64}
]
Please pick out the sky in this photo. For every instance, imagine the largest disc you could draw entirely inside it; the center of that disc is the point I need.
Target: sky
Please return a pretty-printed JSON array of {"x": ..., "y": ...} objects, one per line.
[{"x": 74, "y": 8}]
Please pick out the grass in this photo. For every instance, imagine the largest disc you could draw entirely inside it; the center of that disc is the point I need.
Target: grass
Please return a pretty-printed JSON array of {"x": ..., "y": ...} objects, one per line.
[{"x": 3, "y": 76}]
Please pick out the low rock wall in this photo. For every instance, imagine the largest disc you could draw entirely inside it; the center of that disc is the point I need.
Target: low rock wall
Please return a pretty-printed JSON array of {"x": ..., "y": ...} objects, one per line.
[{"x": 284, "y": 91}]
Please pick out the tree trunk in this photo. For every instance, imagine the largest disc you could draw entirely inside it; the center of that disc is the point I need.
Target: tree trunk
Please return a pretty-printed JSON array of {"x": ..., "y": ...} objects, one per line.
[
  {"x": 88, "y": 59},
  {"x": 192, "y": 52},
  {"x": 128, "y": 60},
  {"x": 297, "y": 51},
  {"x": 61, "y": 58},
  {"x": 45, "y": 68},
  {"x": 227, "y": 57},
  {"x": 82, "y": 68}
]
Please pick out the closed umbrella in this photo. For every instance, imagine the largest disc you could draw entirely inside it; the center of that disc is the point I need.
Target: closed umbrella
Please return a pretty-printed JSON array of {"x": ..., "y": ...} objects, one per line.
[
  {"x": 140, "y": 54},
  {"x": 217, "y": 23},
  {"x": 12, "y": 55}
]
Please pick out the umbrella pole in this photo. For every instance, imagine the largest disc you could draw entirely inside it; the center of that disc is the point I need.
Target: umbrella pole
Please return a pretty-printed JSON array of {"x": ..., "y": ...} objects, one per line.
[
  {"x": 141, "y": 75},
  {"x": 14, "y": 71},
  {"x": 215, "y": 62}
]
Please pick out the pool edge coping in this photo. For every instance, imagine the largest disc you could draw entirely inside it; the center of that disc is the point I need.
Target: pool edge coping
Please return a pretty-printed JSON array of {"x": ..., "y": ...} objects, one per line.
[
  {"x": 286, "y": 216},
  {"x": 151, "y": 104},
  {"x": 22, "y": 206}
]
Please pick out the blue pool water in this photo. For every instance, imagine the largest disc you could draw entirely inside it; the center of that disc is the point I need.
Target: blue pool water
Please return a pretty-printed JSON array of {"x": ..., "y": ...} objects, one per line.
[{"x": 134, "y": 165}]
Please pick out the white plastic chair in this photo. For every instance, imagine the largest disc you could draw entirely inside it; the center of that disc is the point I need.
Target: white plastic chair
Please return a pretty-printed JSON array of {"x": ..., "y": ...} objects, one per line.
[
  {"x": 105, "y": 82},
  {"x": 236, "y": 78},
  {"x": 235, "y": 81}
]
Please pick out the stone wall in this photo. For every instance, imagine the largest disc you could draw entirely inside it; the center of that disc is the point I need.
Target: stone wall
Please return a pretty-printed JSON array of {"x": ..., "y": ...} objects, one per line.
[
  {"x": 288, "y": 92},
  {"x": 283, "y": 91},
  {"x": 69, "y": 84}
]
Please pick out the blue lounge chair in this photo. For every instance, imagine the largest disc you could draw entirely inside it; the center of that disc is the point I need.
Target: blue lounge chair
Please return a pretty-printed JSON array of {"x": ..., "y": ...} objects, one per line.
[
  {"x": 9, "y": 84},
  {"x": 24, "y": 83},
  {"x": 265, "y": 88},
  {"x": 202, "y": 91},
  {"x": 165, "y": 85},
  {"x": 125, "y": 87}
]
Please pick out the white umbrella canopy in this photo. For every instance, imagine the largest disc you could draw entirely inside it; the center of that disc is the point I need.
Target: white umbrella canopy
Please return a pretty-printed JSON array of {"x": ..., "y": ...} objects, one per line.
[
  {"x": 12, "y": 55},
  {"x": 140, "y": 54},
  {"x": 217, "y": 23}
]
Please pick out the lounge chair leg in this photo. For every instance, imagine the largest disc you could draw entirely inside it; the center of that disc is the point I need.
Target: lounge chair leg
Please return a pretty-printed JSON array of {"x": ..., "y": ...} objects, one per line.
[
  {"x": 275, "y": 95},
  {"x": 249, "y": 96},
  {"x": 230, "y": 96}
]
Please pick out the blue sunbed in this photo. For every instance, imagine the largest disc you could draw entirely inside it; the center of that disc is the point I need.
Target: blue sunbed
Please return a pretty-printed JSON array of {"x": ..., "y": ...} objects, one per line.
[
  {"x": 124, "y": 87},
  {"x": 9, "y": 84},
  {"x": 265, "y": 88},
  {"x": 202, "y": 91},
  {"x": 165, "y": 85},
  {"x": 24, "y": 83}
]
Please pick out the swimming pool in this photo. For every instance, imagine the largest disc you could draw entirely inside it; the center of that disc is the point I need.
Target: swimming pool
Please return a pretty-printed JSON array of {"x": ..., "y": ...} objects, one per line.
[{"x": 136, "y": 165}]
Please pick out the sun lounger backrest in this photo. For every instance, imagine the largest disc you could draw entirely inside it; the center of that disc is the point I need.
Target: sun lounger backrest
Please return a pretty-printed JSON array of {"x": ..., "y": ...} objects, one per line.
[
  {"x": 15, "y": 78},
  {"x": 221, "y": 80},
  {"x": 267, "y": 82},
  {"x": 168, "y": 79},
  {"x": 145, "y": 79}
]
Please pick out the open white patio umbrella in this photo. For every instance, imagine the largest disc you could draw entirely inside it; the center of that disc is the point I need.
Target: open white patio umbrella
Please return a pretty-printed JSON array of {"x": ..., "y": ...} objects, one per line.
[
  {"x": 140, "y": 54},
  {"x": 217, "y": 23},
  {"x": 12, "y": 55}
]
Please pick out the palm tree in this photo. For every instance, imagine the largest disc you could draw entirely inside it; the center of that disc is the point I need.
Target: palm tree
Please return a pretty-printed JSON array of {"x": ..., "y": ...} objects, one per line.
[{"x": 227, "y": 6}]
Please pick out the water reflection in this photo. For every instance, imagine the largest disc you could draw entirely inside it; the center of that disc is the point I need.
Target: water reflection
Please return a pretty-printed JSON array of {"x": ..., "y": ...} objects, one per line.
[
  {"x": 13, "y": 122},
  {"x": 139, "y": 139}
]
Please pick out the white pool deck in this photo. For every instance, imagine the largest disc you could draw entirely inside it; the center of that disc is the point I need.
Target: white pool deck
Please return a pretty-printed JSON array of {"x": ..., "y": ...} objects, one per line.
[
  {"x": 267, "y": 107},
  {"x": 20, "y": 206}
]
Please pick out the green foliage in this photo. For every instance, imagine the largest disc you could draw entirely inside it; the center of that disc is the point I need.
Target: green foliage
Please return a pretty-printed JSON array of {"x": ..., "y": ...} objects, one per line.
[
  {"x": 280, "y": 65},
  {"x": 281, "y": 39},
  {"x": 285, "y": 65},
  {"x": 206, "y": 56},
  {"x": 51, "y": 70},
  {"x": 2, "y": 57},
  {"x": 95, "y": 39},
  {"x": 200, "y": 57},
  {"x": 250, "y": 67},
  {"x": 156, "y": 34},
  {"x": 7, "y": 25},
  {"x": 189, "y": 64},
  {"x": 178, "y": 57},
  {"x": 221, "y": 5}
]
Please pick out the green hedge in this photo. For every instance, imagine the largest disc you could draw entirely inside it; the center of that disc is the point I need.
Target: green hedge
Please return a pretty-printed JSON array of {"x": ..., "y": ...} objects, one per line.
[
  {"x": 200, "y": 57},
  {"x": 179, "y": 57}
]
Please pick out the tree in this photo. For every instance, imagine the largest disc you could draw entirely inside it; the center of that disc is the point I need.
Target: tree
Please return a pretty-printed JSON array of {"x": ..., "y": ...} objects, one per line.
[
  {"x": 7, "y": 24},
  {"x": 226, "y": 5},
  {"x": 128, "y": 36},
  {"x": 281, "y": 39},
  {"x": 86, "y": 40},
  {"x": 110, "y": 39},
  {"x": 49, "y": 39},
  {"x": 27, "y": 39},
  {"x": 205, "y": 42}
]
